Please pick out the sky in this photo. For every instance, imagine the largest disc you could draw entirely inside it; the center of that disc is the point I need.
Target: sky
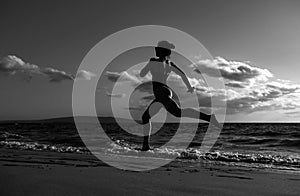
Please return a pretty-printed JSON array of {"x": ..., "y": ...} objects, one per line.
[{"x": 254, "y": 44}]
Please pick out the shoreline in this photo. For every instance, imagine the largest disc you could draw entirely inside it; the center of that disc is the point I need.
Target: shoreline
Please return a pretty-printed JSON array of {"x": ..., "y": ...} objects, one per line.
[{"x": 43, "y": 173}]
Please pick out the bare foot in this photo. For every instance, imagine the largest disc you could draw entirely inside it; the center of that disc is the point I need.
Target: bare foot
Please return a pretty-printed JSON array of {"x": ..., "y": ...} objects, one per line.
[
  {"x": 146, "y": 148},
  {"x": 146, "y": 145}
]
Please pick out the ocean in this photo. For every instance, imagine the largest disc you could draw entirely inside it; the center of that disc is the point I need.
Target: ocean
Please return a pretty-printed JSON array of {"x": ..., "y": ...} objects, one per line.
[{"x": 271, "y": 146}]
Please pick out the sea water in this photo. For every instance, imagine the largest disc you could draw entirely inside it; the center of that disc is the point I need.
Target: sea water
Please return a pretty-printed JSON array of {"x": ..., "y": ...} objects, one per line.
[{"x": 256, "y": 145}]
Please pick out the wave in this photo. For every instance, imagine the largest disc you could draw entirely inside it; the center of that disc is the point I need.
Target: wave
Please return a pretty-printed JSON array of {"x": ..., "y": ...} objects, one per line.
[
  {"x": 7, "y": 136},
  {"x": 191, "y": 154},
  {"x": 245, "y": 157}
]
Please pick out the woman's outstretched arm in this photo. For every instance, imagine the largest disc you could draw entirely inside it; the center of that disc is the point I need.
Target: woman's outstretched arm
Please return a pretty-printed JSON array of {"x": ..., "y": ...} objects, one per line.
[{"x": 179, "y": 72}]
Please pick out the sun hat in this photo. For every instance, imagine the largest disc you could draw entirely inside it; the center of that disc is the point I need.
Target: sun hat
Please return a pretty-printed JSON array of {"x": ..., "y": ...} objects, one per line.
[{"x": 166, "y": 45}]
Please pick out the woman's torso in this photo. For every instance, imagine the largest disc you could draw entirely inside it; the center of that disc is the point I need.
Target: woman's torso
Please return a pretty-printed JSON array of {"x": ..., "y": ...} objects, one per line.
[{"x": 160, "y": 72}]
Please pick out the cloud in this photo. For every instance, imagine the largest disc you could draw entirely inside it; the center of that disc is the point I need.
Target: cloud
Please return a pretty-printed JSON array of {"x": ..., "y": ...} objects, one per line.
[
  {"x": 231, "y": 70},
  {"x": 264, "y": 98},
  {"x": 273, "y": 90},
  {"x": 86, "y": 75},
  {"x": 249, "y": 89},
  {"x": 244, "y": 104},
  {"x": 285, "y": 87},
  {"x": 55, "y": 75},
  {"x": 235, "y": 84},
  {"x": 121, "y": 77},
  {"x": 12, "y": 65},
  {"x": 116, "y": 95},
  {"x": 144, "y": 83}
]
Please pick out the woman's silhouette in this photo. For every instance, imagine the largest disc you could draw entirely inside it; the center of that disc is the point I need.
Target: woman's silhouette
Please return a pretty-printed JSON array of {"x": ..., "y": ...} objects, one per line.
[{"x": 160, "y": 68}]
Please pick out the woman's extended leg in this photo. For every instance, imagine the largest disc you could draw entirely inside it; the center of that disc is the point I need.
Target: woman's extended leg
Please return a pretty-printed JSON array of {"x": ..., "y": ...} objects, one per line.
[
  {"x": 173, "y": 108},
  {"x": 192, "y": 113}
]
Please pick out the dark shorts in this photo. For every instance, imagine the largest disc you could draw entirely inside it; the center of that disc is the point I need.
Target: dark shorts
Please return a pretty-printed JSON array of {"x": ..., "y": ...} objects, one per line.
[
  {"x": 163, "y": 94},
  {"x": 161, "y": 91}
]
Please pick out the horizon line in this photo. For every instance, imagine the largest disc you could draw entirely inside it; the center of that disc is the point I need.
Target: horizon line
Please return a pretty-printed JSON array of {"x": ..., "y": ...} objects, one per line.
[{"x": 62, "y": 117}]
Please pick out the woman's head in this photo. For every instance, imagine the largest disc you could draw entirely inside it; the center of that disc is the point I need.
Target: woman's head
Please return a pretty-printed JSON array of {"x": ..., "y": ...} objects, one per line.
[
  {"x": 163, "y": 49},
  {"x": 162, "y": 52}
]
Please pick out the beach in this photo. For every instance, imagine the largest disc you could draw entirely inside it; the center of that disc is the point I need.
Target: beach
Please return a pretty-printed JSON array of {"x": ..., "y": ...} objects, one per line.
[
  {"x": 50, "y": 173},
  {"x": 38, "y": 158}
]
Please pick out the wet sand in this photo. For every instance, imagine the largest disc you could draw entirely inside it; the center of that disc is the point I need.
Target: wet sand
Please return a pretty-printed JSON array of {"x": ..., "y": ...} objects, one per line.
[{"x": 43, "y": 173}]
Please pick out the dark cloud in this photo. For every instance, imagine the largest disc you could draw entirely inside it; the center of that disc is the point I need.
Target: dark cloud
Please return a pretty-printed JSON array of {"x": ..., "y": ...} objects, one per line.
[
  {"x": 241, "y": 105},
  {"x": 266, "y": 94},
  {"x": 55, "y": 75},
  {"x": 283, "y": 88},
  {"x": 263, "y": 100},
  {"x": 235, "y": 85},
  {"x": 112, "y": 76}
]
